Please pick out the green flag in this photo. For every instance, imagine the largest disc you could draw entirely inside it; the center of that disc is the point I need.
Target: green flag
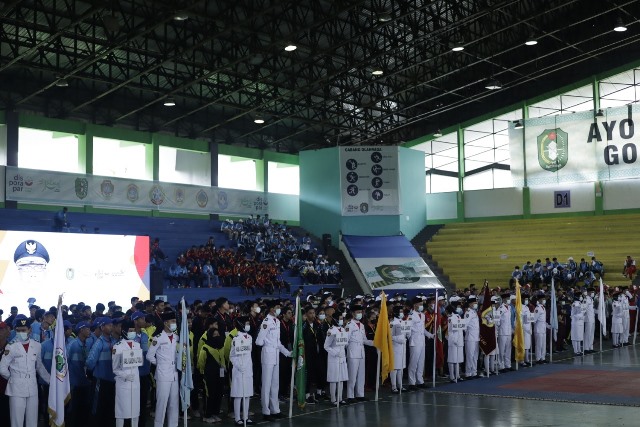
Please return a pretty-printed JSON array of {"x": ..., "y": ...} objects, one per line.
[{"x": 299, "y": 357}]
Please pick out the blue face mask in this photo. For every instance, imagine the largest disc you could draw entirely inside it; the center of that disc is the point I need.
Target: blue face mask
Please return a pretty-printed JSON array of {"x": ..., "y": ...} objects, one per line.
[{"x": 131, "y": 336}]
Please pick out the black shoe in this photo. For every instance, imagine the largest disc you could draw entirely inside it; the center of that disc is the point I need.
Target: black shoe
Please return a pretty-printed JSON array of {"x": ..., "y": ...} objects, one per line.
[
  {"x": 411, "y": 388},
  {"x": 362, "y": 399},
  {"x": 278, "y": 415},
  {"x": 423, "y": 385},
  {"x": 250, "y": 422},
  {"x": 404, "y": 390},
  {"x": 453, "y": 381},
  {"x": 267, "y": 417},
  {"x": 310, "y": 400},
  {"x": 395, "y": 391}
]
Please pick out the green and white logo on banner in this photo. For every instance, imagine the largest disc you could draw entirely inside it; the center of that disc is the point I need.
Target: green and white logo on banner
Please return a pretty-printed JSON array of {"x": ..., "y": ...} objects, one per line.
[{"x": 553, "y": 149}]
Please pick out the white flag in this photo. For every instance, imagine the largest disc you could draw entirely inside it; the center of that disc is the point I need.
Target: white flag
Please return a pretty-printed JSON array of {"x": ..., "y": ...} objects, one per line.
[
  {"x": 602, "y": 310},
  {"x": 59, "y": 387},
  {"x": 184, "y": 360}
]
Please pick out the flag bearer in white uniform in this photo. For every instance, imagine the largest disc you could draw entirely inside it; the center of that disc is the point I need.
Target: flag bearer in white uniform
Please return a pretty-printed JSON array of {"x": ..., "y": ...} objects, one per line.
[
  {"x": 527, "y": 327},
  {"x": 455, "y": 339},
  {"x": 335, "y": 345},
  {"x": 242, "y": 374},
  {"x": 400, "y": 333},
  {"x": 163, "y": 353},
  {"x": 417, "y": 344},
  {"x": 355, "y": 355},
  {"x": 540, "y": 329},
  {"x": 589, "y": 320},
  {"x": 471, "y": 338},
  {"x": 269, "y": 339},
  {"x": 577, "y": 325},
  {"x": 20, "y": 363},
  {"x": 127, "y": 352},
  {"x": 505, "y": 332}
]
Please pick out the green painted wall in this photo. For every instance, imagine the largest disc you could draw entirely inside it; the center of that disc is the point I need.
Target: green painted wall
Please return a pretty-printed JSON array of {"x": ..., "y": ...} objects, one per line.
[{"x": 413, "y": 206}]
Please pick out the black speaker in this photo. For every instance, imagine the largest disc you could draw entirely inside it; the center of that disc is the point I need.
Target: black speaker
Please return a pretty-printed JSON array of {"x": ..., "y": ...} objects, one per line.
[{"x": 157, "y": 285}]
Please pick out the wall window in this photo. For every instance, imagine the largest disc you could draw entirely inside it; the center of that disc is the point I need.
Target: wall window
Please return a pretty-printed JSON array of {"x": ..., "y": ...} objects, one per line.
[
  {"x": 236, "y": 172},
  {"x": 124, "y": 159},
  {"x": 46, "y": 150},
  {"x": 283, "y": 178},
  {"x": 441, "y": 163},
  {"x": 580, "y": 99},
  {"x": 619, "y": 90},
  {"x": 184, "y": 166}
]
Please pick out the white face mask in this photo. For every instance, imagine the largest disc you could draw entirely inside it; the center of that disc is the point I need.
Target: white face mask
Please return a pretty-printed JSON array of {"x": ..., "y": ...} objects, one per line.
[
  {"x": 421, "y": 308},
  {"x": 358, "y": 316},
  {"x": 173, "y": 327},
  {"x": 399, "y": 316},
  {"x": 257, "y": 310},
  {"x": 474, "y": 307},
  {"x": 322, "y": 316},
  {"x": 278, "y": 311},
  {"x": 459, "y": 310},
  {"x": 526, "y": 302},
  {"x": 247, "y": 327},
  {"x": 131, "y": 336},
  {"x": 542, "y": 302},
  {"x": 340, "y": 322},
  {"x": 592, "y": 294},
  {"x": 314, "y": 305},
  {"x": 22, "y": 336}
]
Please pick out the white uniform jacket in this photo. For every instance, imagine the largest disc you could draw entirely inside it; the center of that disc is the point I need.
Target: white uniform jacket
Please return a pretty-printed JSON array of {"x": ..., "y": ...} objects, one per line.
[
  {"x": 19, "y": 368},
  {"x": 164, "y": 354}
]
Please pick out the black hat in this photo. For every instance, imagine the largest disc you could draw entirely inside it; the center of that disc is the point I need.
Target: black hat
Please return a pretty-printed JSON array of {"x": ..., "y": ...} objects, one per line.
[
  {"x": 505, "y": 295},
  {"x": 168, "y": 315},
  {"x": 356, "y": 307},
  {"x": 417, "y": 300},
  {"x": 21, "y": 320}
]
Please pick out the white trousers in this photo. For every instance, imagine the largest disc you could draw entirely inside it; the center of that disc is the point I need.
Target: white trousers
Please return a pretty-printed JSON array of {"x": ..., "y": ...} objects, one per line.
[
  {"x": 237, "y": 402},
  {"x": 23, "y": 408},
  {"x": 625, "y": 329},
  {"x": 504, "y": 346},
  {"x": 120, "y": 422},
  {"x": 471, "y": 349},
  {"x": 589, "y": 330},
  {"x": 416, "y": 365},
  {"x": 355, "y": 368},
  {"x": 396, "y": 379},
  {"x": 269, "y": 391},
  {"x": 335, "y": 391},
  {"x": 167, "y": 402},
  {"x": 541, "y": 346}
]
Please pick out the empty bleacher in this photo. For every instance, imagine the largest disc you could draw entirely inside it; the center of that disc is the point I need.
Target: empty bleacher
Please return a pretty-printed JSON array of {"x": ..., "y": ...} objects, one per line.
[{"x": 471, "y": 252}]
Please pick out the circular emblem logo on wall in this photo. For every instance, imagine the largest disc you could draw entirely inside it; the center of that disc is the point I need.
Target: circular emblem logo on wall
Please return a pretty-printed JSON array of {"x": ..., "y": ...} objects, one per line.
[
  {"x": 82, "y": 188},
  {"x": 364, "y": 207},
  {"x": 106, "y": 188},
  {"x": 179, "y": 195},
  {"x": 156, "y": 195},
  {"x": 202, "y": 199},
  {"x": 223, "y": 200},
  {"x": 132, "y": 193}
]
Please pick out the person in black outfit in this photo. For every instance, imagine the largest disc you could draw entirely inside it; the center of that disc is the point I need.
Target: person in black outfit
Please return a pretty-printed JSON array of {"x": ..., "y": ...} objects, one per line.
[{"x": 312, "y": 333}]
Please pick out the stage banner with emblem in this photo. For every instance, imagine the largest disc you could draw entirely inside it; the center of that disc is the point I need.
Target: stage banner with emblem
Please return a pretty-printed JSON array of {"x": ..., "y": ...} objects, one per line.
[
  {"x": 576, "y": 147},
  {"x": 369, "y": 182},
  {"x": 398, "y": 273},
  {"x": 68, "y": 189}
]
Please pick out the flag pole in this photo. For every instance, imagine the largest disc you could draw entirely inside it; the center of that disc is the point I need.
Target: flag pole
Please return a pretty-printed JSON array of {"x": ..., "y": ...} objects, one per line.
[
  {"x": 293, "y": 359},
  {"x": 378, "y": 375},
  {"x": 635, "y": 328},
  {"x": 435, "y": 338}
]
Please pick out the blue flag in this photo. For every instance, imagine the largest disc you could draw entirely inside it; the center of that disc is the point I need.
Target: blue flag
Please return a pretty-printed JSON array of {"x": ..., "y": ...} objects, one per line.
[
  {"x": 184, "y": 358},
  {"x": 553, "y": 317}
]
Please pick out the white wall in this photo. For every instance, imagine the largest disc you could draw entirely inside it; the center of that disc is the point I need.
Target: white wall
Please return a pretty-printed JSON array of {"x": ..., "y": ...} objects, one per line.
[
  {"x": 582, "y": 198},
  {"x": 497, "y": 202},
  {"x": 621, "y": 194},
  {"x": 284, "y": 207},
  {"x": 442, "y": 206}
]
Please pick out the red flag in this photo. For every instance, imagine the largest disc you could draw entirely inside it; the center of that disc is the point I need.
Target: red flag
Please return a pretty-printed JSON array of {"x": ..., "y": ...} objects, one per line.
[{"x": 487, "y": 328}]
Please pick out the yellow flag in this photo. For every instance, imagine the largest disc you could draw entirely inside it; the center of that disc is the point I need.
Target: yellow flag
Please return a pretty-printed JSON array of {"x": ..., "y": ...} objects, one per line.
[
  {"x": 382, "y": 339},
  {"x": 518, "y": 333}
]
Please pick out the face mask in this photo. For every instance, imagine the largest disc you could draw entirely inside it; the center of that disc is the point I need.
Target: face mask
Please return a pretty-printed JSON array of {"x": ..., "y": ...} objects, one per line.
[
  {"x": 526, "y": 302},
  {"x": 131, "y": 336},
  {"x": 458, "y": 310},
  {"x": 257, "y": 310},
  {"x": 247, "y": 328},
  {"x": 591, "y": 294},
  {"x": 314, "y": 305},
  {"x": 278, "y": 311},
  {"x": 399, "y": 316},
  {"x": 358, "y": 316},
  {"x": 340, "y": 322},
  {"x": 542, "y": 302},
  {"x": 474, "y": 307},
  {"x": 22, "y": 336},
  {"x": 173, "y": 327},
  {"x": 421, "y": 308},
  {"x": 322, "y": 316}
]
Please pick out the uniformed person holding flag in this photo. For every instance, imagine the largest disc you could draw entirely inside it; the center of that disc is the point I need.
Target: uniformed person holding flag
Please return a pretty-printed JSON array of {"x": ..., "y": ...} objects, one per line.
[{"x": 126, "y": 359}]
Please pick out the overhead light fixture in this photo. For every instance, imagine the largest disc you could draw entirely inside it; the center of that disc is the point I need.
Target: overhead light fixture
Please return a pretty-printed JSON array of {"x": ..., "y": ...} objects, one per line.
[
  {"x": 493, "y": 84},
  {"x": 62, "y": 82},
  {"x": 258, "y": 120},
  {"x": 600, "y": 113},
  {"x": 290, "y": 47},
  {"x": 620, "y": 27},
  {"x": 518, "y": 124},
  {"x": 384, "y": 17},
  {"x": 180, "y": 15},
  {"x": 531, "y": 41},
  {"x": 169, "y": 102},
  {"x": 437, "y": 134},
  {"x": 377, "y": 71},
  {"x": 457, "y": 45}
]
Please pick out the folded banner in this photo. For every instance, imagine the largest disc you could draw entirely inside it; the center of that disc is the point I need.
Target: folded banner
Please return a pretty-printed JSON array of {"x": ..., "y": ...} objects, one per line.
[{"x": 60, "y": 188}]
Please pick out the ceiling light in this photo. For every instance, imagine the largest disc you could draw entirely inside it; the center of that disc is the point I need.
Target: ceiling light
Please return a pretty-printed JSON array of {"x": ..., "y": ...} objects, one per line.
[
  {"x": 437, "y": 134},
  {"x": 620, "y": 27},
  {"x": 62, "y": 82},
  {"x": 518, "y": 124},
  {"x": 290, "y": 47},
  {"x": 457, "y": 45},
  {"x": 531, "y": 41},
  {"x": 384, "y": 17},
  {"x": 377, "y": 71},
  {"x": 180, "y": 15},
  {"x": 600, "y": 113},
  {"x": 493, "y": 84},
  {"x": 258, "y": 120},
  {"x": 169, "y": 102}
]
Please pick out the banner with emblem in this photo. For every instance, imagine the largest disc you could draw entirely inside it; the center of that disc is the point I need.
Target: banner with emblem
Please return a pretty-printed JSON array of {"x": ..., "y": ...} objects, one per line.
[
  {"x": 398, "y": 273},
  {"x": 59, "y": 188},
  {"x": 576, "y": 147},
  {"x": 369, "y": 181}
]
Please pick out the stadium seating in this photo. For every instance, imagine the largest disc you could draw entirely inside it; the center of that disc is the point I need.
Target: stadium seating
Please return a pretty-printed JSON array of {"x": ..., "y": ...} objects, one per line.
[{"x": 472, "y": 252}]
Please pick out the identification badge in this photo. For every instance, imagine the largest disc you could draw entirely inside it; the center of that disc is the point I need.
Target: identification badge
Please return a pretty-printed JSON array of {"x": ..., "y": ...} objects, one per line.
[{"x": 221, "y": 372}]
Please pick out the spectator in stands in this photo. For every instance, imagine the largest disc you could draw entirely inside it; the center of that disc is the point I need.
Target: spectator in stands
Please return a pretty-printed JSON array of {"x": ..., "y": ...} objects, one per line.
[
  {"x": 60, "y": 222},
  {"x": 209, "y": 275},
  {"x": 629, "y": 267},
  {"x": 156, "y": 253}
]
